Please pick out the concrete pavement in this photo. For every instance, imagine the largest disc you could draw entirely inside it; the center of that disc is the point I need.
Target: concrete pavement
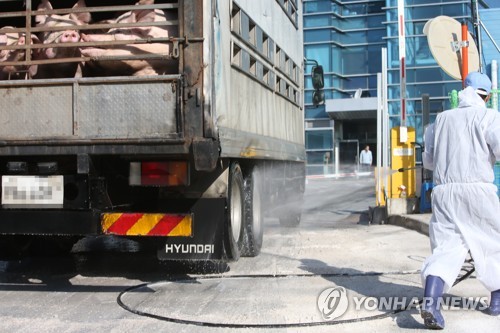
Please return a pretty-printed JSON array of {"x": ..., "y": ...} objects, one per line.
[
  {"x": 459, "y": 318},
  {"x": 417, "y": 222}
]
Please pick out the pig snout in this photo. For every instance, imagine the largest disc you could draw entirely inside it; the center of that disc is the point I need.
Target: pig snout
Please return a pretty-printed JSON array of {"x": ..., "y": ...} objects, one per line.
[{"x": 70, "y": 36}]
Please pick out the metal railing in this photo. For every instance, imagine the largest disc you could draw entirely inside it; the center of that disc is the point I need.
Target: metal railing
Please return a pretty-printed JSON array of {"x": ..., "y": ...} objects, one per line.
[{"x": 29, "y": 46}]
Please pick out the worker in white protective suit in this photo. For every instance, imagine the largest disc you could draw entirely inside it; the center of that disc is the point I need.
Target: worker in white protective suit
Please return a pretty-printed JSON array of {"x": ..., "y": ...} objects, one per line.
[{"x": 461, "y": 148}]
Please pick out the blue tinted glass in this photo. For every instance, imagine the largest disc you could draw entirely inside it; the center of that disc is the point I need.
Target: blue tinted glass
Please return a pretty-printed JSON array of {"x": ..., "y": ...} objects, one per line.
[
  {"x": 311, "y": 36},
  {"x": 319, "y": 158},
  {"x": 372, "y": 85},
  {"x": 319, "y": 139},
  {"x": 308, "y": 95},
  {"x": 317, "y": 6},
  {"x": 329, "y": 94},
  {"x": 354, "y": 37},
  {"x": 354, "y": 23},
  {"x": 355, "y": 83},
  {"x": 317, "y": 21},
  {"x": 375, "y": 21},
  {"x": 374, "y": 59},
  {"x": 312, "y": 112},
  {"x": 320, "y": 53},
  {"x": 336, "y": 65},
  {"x": 336, "y": 36},
  {"x": 428, "y": 12},
  {"x": 376, "y": 35},
  {"x": 354, "y": 61}
]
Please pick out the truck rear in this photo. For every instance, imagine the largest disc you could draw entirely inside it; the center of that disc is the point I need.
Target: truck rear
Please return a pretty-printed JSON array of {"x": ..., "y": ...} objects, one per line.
[{"x": 177, "y": 124}]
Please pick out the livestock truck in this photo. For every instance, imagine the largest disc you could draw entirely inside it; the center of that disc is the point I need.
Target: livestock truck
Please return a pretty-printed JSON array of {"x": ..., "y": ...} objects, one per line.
[{"x": 187, "y": 159}]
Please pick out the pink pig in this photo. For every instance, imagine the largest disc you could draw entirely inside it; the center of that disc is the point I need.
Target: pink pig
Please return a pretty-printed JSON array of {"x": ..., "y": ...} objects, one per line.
[
  {"x": 60, "y": 37},
  {"x": 14, "y": 72},
  {"x": 133, "y": 67}
]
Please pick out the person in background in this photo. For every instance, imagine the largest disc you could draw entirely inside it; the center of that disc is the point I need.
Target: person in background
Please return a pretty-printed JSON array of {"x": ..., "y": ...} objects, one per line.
[
  {"x": 461, "y": 148},
  {"x": 365, "y": 159}
]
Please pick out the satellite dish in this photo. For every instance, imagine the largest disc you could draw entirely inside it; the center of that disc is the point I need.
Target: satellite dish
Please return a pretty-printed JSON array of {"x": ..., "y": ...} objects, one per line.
[
  {"x": 444, "y": 35},
  {"x": 358, "y": 93}
]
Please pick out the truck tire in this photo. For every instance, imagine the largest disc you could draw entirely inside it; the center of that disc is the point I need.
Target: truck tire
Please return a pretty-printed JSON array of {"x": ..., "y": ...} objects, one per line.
[
  {"x": 235, "y": 213},
  {"x": 254, "y": 220}
]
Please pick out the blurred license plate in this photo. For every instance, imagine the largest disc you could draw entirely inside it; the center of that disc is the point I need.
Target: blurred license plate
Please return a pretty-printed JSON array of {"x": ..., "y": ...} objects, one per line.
[{"x": 33, "y": 191}]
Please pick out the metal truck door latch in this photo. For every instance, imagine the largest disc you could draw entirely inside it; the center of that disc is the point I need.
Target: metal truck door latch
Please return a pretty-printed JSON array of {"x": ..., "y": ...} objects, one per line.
[{"x": 175, "y": 49}]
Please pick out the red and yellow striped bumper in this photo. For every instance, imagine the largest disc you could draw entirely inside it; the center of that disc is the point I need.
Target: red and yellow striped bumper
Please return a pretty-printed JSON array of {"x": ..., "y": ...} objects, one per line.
[{"x": 138, "y": 224}]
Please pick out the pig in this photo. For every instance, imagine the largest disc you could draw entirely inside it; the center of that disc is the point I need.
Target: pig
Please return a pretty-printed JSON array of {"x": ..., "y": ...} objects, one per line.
[
  {"x": 72, "y": 35},
  {"x": 16, "y": 72},
  {"x": 7, "y": 39},
  {"x": 132, "y": 67}
]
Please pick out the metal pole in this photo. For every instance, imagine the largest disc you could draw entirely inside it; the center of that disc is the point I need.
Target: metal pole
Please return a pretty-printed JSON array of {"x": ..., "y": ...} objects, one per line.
[
  {"x": 426, "y": 110},
  {"x": 337, "y": 155},
  {"x": 490, "y": 36},
  {"x": 465, "y": 52},
  {"x": 402, "y": 59},
  {"x": 477, "y": 28},
  {"x": 357, "y": 155},
  {"x": 385, "y": 120},
  {"x": 379, "y": 137},
  {"x": 28, "y": 31},
  {"x": 494, "y": 84}
]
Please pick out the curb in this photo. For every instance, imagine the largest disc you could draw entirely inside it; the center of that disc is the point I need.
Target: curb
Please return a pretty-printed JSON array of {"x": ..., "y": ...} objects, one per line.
[{"x": 419, "y": 223}]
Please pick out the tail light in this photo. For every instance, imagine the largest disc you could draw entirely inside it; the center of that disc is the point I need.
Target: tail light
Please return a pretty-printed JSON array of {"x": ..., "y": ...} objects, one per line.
[{"x": 173, "y": 173}]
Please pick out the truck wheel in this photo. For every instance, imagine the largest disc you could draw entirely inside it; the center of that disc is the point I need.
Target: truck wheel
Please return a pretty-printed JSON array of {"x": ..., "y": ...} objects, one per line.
[
  {"x": 254, "y": 221},
  {"x": 235, "y": 213}
]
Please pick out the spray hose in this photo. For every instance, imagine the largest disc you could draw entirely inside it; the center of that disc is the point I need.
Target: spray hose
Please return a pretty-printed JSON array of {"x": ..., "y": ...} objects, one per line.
[{"x": 468, "y": 272}]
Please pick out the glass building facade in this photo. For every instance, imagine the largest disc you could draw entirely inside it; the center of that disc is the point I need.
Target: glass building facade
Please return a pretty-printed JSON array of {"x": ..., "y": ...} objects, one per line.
[{"x": 346, "y": 38}]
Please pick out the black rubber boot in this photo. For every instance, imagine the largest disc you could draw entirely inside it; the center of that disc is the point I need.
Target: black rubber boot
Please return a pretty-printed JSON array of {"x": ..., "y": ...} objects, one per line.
[
  {"x": 494, "y": 308},
  {"x": 431, "y": 313}
]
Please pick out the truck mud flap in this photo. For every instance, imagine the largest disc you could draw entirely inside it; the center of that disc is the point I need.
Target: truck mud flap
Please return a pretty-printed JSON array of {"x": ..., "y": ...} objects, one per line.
[{"x": 206, "y": 241}]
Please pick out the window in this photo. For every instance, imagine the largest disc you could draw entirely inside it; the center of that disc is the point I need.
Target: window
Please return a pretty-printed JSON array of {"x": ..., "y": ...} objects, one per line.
[
  {"x": 236, "y": 21},
  {"x": 246, "y": 30},
  {"x": 317, "y": 6},
  {"x": 354, "y": 61},
  {"x": 319, "y": 138},
  {"x": 236, "y": 55},
  {"x": 255, "y": 54},
  {"x": 252, "y": 33},
  {"x": 253, "y": 66},
  {"x": 290, "y": 9},
  {"x": 265, "y": 45},
  {"x": 265, "y": 75}
]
